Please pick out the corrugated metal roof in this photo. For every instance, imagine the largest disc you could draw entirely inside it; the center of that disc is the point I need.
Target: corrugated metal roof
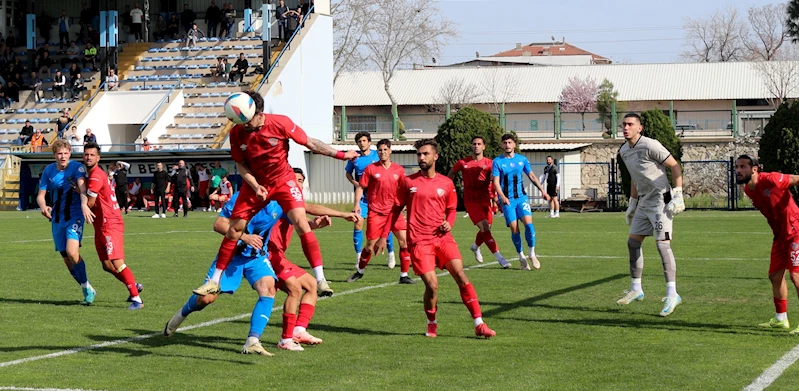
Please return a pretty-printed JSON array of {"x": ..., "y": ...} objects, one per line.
[
  {"x": 635, "y": 82},
  {"x": 522, "y": 146}
]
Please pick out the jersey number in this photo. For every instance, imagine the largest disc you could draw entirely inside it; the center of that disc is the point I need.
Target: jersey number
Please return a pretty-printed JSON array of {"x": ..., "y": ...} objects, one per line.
[
  {"x": 77, "y": 228},
  {"x": 795, "y": 258},
  {"x": 658, "y": 226}
]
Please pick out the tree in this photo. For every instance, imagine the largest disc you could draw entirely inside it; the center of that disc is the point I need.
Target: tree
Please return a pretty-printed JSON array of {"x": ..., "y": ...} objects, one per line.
[
  {"x": 498, "y": 90},
  {"x": 792, "y": 22},
  {"x": 579, "y": 96},
  {"x": 350, "y": 19},
  {"x": 455, "y": 137},
  {"x": 781, "y": 77},
  {"x": 718, "y": 38},
  {"x": 403, "y": 31},
  {"x": 768, "y": 31},
  {"x": 779, "y": 145},
  {"x": 457, "y": 93},
  {"x": 606, "y": 97},
  {"x": 656, "y": 126}
]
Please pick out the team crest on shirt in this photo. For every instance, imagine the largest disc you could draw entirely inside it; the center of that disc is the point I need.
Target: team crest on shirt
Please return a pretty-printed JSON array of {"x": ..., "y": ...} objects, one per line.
[
  {"x": 243, "y": 147},
  {"x": 81, "y": 169},
  {"x": 441, "y": 192},
  {"x": 795, "y": 246},
  {"x": 396, "y": 177},
  {"x": 291, "y": 183},
  {"x": 767, "y": 192},
  {"x": 377, "y": 175},
  {"x": 274, "y": 215},
  {"x": 273, "y": 141},
  {"x": 512, "y": 164}
]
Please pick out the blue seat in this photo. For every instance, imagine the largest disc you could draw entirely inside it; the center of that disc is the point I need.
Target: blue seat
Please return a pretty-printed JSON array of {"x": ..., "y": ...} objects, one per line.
[
  {"x": 153, "y": 50},
  {"x": 136, "y": 88}
]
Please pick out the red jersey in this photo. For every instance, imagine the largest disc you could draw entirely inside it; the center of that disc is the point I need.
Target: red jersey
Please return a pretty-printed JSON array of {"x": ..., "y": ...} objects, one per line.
[
  {"x": 430, "y": 201},
  {"x": 266, "y": 150},
  {"x": 280, "y": 236},
  {"x": 772, "y": 197},
  {"x": 476, "y": 179},
  {"x": 106, "y": 207},
  {"x": 381, "y": 185}
]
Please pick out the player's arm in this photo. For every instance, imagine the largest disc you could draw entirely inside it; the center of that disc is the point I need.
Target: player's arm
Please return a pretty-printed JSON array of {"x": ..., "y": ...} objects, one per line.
[
  {"x": 247, "y": 177},
  {"x": 363, "y": 183},
  {"x": 794, "y": 181},
  {"x": 356, "y": 208},
  {"x": 43, "y": 204},
  {"x": 222, "y": 224},
  {"x": 528, "y": 170},
  {"x": 450, "y": 213},
  {"x": 453, "y": 172},
  {"x": 319, "y": 210},
  {"x": 124, "y": 164},
  {"x": 676, "y": 170},
  {"x": 320, "y": 222},
  {"x": 317, "y": 146}
]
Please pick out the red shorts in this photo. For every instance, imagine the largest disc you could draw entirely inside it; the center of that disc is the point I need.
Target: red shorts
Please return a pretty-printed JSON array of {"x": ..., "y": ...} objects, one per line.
[
  {"x": 110, "y": 244},
  {"x": 285, "y": 192},
  {"x": 376, "y": 222},
  {"x": 426, "y": 257},
  {"x": 479, "y": 212},
  {"x": 223, "y": 197},
  {"x": 785, "y": 255},
  {"x": 203, "y": 188},
  {"x": 284, "y": 270}
]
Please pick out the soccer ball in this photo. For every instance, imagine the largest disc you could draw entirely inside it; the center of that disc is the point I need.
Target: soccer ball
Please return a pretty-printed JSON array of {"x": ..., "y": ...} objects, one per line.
[{"x": 240, "y": 108}]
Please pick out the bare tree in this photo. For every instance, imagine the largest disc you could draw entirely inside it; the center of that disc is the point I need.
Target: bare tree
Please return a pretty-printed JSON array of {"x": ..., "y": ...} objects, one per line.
[
  {"x": 700, "y": 39},
  {"x": 768, "y": 32},
  {"x": 579, "y": 96},
  {"x": 498, "y": 90},
  {"x": 718, "y": 38},
  {"x": 457, "y": 93},
  {"x": 780, "y": 76},
  {"x": 350, "y": 19},
  {"x": 402, "y": 31}
]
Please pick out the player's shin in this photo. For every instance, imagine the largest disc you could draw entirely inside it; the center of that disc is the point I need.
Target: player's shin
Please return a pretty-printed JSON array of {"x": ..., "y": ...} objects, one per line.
[
  {"x": 357, "y": 240},
  {"x": 516, "y": 238},
  {"x": 405, "y": 262},
  {"x": 226, "y": 252},
  {"x": 366, "y": 256},
  {"x": 304, "y": 317},
  {"x": 260, "y": 315},
  {"x": 310, "y": 247},
  {"x": 289, "y": 321},
  {"x": 125, "y": 275},
  {"x": 490, "y": 242},
  {"x": 390, "y": 243},
  {"x": 479, "y": 239},
  {"x": 192, "y": 305},
  {"x": 669, "y": 267},
  {"x": 469, "y": 297},
  {"x": 529, "y": 235},
  {"x": 79, "y": 270},
  {"x": 781, "y": 309},
  {"x": 636, "y": 264}
]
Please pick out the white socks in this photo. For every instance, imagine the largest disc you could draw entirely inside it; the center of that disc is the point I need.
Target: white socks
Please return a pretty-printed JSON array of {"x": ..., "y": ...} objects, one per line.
[
  {"x": 319, "y": 272},
  {"x": 217, "y": 275},
  {"x": 671, "y": 289},
  {"x": 783, "y": 316},
  {"x": 532, "y": 252},
  {"x": 298, "y": 329},
  {"x": 360, "y": 270},
  {"x": 136, "y": 299},
  {"x": 636, "y": 285},
  {"x": 478, "y": 321},
  {"x": 403, "y": 274}
]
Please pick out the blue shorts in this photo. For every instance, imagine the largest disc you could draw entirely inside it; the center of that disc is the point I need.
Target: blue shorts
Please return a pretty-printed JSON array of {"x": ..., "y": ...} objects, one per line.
[
  {"x": 517, "y": 209},
  {"x": 69, "y": 230},
  {"x": 364, "y": 209},
  {"x": 253, "y": 269}
]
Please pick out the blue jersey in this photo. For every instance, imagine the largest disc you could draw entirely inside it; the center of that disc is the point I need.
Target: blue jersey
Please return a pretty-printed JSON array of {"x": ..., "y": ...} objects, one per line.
[
  {"x": 62, "y": 187},
  {"x": 511, "y": 172},
  {"x": 357, "y": 167},
  {"x": 261, "y": 224}
]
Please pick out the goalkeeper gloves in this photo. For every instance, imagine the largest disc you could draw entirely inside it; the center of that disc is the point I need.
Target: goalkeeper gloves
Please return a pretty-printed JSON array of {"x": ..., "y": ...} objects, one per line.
[{"x": 677, "y": 203}]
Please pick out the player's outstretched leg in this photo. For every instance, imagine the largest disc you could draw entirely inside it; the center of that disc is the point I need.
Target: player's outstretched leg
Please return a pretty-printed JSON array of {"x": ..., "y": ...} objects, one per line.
[
  {"x": 357, "y": 242},
  {"x": 306, "y": 312},
  {"x": 77, "y": 268},
  {"x": 529, "y": 235},
  {"x": 392, "y": 260},
  {"x": 516, "y": 238},
  {"x": 310, "y": 247},
  {"x": 636, "y": 292},
  {"x": 672, "y": 299},
  {"x": 261, "y": 312},
  {"x": 193, "y": 304},
  {"x": 475, "y": 247},
  {"x": 366, "y": 256},
  {"x": 293, "y": 288},
  {"x": 489, "y": 241},
  {"x": 121, "y": 272},
  {"x": 469, "y": 298}
]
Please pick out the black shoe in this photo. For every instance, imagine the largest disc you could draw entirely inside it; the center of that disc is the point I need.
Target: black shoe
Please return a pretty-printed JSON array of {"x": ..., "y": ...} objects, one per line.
[
  {"x": 140, "y": 287},
  {"x": 406, "y": 280},
  {"x": 176, "y": 215},
  {"x": 355, "y": 277}
]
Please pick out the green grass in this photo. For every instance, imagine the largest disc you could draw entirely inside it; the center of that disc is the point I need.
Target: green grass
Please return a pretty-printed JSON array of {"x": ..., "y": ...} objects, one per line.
[{"x": 558, "y": 328}]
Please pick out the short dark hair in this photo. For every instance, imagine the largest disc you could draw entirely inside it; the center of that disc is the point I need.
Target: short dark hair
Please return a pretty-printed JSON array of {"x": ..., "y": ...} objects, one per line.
[
  {"x": 480, "y": 137},
  {"x": 633, "y": 115},
  {"x": 298, "y": 170},
  {"x": 752, "y": 160},
  {"x": 90, "y": 145},
  {"x": 385, "y": 142},
  {"x": 363, "y": 134},
  {"x": 427, "y": 141},
  {"x": 510, "y": 136},
  {"x": 258, "y": 99}
]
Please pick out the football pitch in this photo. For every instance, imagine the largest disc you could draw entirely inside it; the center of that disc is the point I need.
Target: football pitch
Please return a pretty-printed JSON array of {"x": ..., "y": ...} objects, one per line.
[{"x": 557, "y": 328}]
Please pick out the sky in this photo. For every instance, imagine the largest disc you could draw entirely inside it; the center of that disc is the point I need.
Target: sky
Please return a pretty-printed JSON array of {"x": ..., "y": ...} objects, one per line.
[{"x": 643, "y": 31}]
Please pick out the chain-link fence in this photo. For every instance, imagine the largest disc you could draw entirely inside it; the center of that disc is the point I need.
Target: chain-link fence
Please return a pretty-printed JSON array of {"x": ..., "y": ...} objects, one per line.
[{"x": 531, "y": 125}]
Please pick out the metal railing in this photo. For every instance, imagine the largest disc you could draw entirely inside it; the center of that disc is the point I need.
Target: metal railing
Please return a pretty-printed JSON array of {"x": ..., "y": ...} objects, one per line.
[
  {"x": 87, "y": 104},
  {"x": 285, "y": 48},
  {"x": 163, "y": 101}
]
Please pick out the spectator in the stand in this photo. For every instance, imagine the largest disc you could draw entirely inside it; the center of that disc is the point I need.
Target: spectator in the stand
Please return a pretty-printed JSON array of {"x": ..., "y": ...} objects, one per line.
[
  {"x": 63, "y": 122},
  {"x": 223, "y": 27},
  {"x": 212, "y": 15},
  {"x": 37, "y": 141},
  {"x": 13, "y": 86},
  {"x": 145, "y": 146},
  {"x": 40, "y": 51},
  {"x": 17, "y": 67},
  {"x": 281, "y": 14},
  {"x": 160, "y": 28},
  {"x": 93, "y": 36},
  {"x": 159, "y": 188},
  {"x": 89, "y": 137},
  {"x": 77, "y": 86},
  {"x": 44, "y": 23},
  {"x": 218, "y": 69},
  {"x": 59, "y": 84},
  {"x": 74, "y": 71},
  {"x": 293, "y": 21},
  {"x": 44, "y": 64},
  {"x": 36, "y": 86},
  {"x": 112, "y": 80},
  {"x": 304, "y": 9},
  {"x": 72, "y": 56},
  {"x": 136, "y": 17},
  {"x": 26, "y": 133},
  {"x": 172, "y": 27},
  {"x": 134, "y": 191},
  {"x": 74, "y": 141},
  {"x": 187, "y": 18},
  {"x": 90, "y": 56},
  {"x": 86, "y": 16},
  {"x": 127, "y": 23},
  {"x": 228, "y": 68},
  {"x": 63, "y": 30},
  {"x": 193, "y": 35},
  {"x": 241, "y": 66},
  {"x": 229, "y": 19}
]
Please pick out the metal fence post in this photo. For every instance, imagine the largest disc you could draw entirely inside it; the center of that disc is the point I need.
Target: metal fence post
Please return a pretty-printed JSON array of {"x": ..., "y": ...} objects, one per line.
[
  {"x": 734, "y": 118},
  {"x": 614, "y": 119},
  {"x": 671, "y": 115},
  {"x": 343, "y": 132},
  {"x": 394, "y": 122},
  {"x": 449, "y": 111},
  {"x": 502, "y": 115},
  {"x": 557, "y": 120}
]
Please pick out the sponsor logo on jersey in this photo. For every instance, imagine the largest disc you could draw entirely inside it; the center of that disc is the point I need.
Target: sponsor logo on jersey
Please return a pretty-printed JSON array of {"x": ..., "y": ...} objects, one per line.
[
  {"x": 243, "y": 147},
  {"x": 377, "y": 175},
  {"x": 413, "y": 189}
]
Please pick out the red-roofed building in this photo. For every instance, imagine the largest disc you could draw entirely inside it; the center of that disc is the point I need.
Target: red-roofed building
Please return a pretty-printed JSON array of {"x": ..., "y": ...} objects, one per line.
[{"x": 548, "y": 53}]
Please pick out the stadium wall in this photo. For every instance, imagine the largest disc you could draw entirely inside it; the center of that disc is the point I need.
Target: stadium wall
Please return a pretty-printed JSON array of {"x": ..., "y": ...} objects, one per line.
[{"x": 120, "y": 108}]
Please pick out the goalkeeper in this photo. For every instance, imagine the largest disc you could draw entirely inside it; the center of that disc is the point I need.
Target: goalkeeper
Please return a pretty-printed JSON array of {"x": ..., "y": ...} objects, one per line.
[{"x": 653, "y": 204}]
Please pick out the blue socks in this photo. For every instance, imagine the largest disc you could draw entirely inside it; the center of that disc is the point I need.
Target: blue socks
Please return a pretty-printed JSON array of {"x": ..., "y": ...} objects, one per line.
[
  {"x": 516, "y": 238},
  {"x": 357, "y": 240},
  {"x": 79, "y": 272},
  {"x": 191, "y": 306},
  {"x": 390, "y": 243},
  {"x": 529, "y": 234},
  {"x": 260, "y": 315}
]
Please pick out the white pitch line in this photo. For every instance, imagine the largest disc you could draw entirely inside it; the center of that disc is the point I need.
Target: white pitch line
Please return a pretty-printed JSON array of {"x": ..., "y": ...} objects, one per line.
[
  {"x": 41, "y": 389},
  {"x": 127, "y": 234},
  {"x": 199, "y": 325},
  {"x": 773, "y": 372}
]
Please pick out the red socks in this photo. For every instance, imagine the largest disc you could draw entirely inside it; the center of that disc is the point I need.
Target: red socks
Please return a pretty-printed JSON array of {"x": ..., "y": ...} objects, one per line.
[
  {"x": 305, "y": 315},
  {"x": 781, "y": 305},
  {"x": 289, "y": 320},
  {"x": 478, "y": 239},
  {"x": 431, "y": 314},
  {"x": 469, "y": 297},
  {"x": 366, "y": 256},
  {"x": 488, "y": 239},
  {"x": 405, "y": 260},
  {"x": 226, "y": 252},
  {"x": 310, "y": 247},
  {"x": 127, "y": 278}
]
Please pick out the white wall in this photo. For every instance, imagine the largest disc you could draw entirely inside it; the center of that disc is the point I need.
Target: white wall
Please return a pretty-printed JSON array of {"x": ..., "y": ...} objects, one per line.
[
  {"x": 304, "y": 89},
  {"x": 175, "y": 106}
]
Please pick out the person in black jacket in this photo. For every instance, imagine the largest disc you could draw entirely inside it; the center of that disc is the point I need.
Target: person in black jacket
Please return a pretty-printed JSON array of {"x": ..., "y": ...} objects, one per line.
[
  {"x": 181, "y": 182},
  {"x": 240, "y": 70},
  {"x": 187, "y": 18},
  {"x": 212, "y": 16},
  {"x": 158, "y": 189},
  {"x": 121, "y": 185}
]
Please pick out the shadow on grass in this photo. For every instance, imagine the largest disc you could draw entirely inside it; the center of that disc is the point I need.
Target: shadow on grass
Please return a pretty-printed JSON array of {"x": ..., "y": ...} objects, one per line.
[
  {"x": 35, "y": 301},
  {"x": 354, "y": 331}
]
